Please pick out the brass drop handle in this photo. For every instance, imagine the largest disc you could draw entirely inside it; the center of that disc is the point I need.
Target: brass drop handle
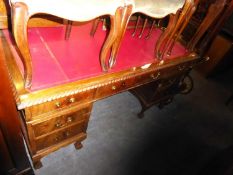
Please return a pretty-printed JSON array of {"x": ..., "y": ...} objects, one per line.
[
  {"x": 58, "y": 124},
  {"x": 113, "y": 87},
  {"x": 154, "y": 77},
  {"x": 72, "y": 100},
  {"x": 56, "y": 139},
  {"x": 67, "y": 133},
  {"x": 58, "y": 104},
  {"x": 123, "y": 84},
  {"x": 69, "y": 119}
]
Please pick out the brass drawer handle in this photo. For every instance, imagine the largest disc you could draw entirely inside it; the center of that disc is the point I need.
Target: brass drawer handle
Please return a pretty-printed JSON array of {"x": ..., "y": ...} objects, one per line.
[
  {"x": 57, "y": 139},
  {"x": 69, "y": 119},
  {"x": 113, "y": 87},
  {"x": 72, "y": 100},
  {"x": 58, "y": 125},
  {"x": 181, "y": 67},
  {"x": 67, "y": 134},
  {"x": 123, "y": 84},
  {"x": 154, "y": 77},
  {"x": 58, "y": 104}
]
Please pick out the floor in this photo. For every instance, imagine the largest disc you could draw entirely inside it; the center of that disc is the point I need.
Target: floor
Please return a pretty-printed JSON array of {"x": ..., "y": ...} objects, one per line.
[{"x": 191, "y": 136}]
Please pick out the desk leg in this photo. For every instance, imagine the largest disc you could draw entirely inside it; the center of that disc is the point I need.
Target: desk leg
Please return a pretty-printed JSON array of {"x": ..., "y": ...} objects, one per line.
[
  {"x": 78, "y": 145},
  {"x": 37, "y": 164}
]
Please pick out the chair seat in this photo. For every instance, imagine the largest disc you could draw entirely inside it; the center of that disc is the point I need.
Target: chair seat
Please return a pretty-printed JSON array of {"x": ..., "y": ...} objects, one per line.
[
  {"x": 159, "y": 8},
  {"x": 75, "y": 10}
]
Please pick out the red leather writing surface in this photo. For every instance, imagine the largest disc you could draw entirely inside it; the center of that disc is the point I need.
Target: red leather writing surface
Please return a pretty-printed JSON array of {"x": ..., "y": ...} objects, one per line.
[{"x": 56, "y": 61}]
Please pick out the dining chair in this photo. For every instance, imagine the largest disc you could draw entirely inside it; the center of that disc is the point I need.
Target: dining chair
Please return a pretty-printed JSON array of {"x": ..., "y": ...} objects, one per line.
[
  {"x": 75, "y": 10},
  {"x": 177, "y": 9}
]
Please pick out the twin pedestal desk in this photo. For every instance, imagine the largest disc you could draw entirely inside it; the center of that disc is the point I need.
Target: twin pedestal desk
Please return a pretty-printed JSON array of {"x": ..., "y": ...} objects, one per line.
[{"x": 67, "y": 80}]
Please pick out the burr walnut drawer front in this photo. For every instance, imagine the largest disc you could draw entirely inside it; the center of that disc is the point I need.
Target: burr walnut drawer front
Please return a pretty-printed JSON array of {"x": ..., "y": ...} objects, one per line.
[
  {"x": 114, "y": 88},
  {"x": 60, "y": 136},
  {"x": 59, "y": 104},
  {"x": 60, "y": 122}
]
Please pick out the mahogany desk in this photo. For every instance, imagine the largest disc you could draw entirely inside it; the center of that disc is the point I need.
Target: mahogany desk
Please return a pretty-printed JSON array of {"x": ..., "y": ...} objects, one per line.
[{"x": 68, "y": 79}]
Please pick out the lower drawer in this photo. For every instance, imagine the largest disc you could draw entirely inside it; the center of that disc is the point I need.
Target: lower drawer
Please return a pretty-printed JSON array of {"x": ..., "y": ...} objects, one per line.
[
  {"x": 61, "y": 121},
  {"x": 60, "y": 136}
]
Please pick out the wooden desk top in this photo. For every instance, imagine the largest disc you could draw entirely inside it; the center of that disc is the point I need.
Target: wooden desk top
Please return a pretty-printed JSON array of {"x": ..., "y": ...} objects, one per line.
[{"x": 64, "y": 67}]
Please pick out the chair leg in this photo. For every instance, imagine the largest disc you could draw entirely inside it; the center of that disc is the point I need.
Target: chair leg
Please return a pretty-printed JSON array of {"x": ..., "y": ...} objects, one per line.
[
  {"x": 116, "y": 46},
  {"x": 68, "y": 29},
  {"x": 183, "y": 25},
  {"x": 143, "y": 27},
  {"x": 94, "y": 26},
  {"x": 136, "y": 26},
  {"x": 170, "y": 35},
  {"x": 186, "y": 12},
  {"x": 112, "y": 36},
  {"x": 20, "y": 19},
  {"x": 164, "y": 37},
  {"x": 151, "y": 29}
]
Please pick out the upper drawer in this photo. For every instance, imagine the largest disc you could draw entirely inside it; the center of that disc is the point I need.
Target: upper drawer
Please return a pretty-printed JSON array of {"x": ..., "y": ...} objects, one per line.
[
  {"x": 114, "y": 88},
  {"x": 61, "y": 121},
  {"x": 59, "y": 104}
]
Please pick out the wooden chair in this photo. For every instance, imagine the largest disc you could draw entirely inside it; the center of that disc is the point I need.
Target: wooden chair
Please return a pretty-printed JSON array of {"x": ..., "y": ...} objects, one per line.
[
  {"x": 213, "y": 13},
  {"x": 77, "y": 10},
  {"x": 157, "y": 10},
  {"x": 176, "y": 25},
  {"x": 143, "y": 27}
]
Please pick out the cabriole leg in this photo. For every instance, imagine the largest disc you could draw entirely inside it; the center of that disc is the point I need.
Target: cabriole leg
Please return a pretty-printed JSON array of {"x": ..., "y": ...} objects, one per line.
[
  {"x": 78, "y": 145},
  {"x": 37, "y": 164},
  {"x": 20, "y": 19},
  {"x": 114, "y": 31}
]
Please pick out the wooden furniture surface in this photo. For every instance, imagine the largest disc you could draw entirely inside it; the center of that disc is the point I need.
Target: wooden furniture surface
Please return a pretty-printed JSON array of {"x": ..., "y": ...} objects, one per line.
[
  {"x": 119, "y": 12},
  {"x": 68, "y": 79},
  {"x": 13, "y": 156},
  {"x": 220, "y": 54}
]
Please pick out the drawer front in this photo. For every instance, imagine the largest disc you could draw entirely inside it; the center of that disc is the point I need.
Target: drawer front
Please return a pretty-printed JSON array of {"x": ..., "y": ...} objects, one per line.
[
  {"x": 59, "y": 104},
  {"x": 148, "y": 77},
  {"x": 114, "y": 88},
  {"x": 60, "y": 136},
  {"x": 61, "y": 121}
]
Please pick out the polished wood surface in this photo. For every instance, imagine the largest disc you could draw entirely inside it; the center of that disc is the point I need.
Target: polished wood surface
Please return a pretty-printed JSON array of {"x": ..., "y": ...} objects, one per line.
[
  {"x": 13, "y": 156},
  {"x": 56, "y": 116},
  {"x": 51, "y": 120}
]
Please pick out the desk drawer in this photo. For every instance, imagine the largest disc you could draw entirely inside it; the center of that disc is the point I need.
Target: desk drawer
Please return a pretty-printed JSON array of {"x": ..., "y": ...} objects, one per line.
[
  {"x": 61, "y": 121},
  {"x": 60, "y": 136},
  {"x": 114, "y": 88},
  {"x": 58, "y": 105}
]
